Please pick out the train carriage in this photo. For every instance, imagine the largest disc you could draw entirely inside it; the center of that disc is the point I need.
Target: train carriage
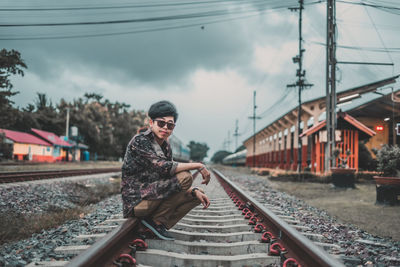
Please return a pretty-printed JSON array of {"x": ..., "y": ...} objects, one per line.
[{"x": 180, "y": 152}]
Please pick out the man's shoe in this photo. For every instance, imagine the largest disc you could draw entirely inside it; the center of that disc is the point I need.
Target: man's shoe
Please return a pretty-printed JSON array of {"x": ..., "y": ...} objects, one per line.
[{"x": 158, "y": 230}]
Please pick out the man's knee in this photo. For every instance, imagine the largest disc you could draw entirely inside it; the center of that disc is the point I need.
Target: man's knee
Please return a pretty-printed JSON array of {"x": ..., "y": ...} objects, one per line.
[
  {"x": 145, "y": 208},
  {"x": 185, "y": 178}
]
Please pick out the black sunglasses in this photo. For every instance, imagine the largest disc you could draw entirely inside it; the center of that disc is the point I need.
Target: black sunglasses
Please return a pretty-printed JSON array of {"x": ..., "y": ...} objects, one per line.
[{"x": 161, "y": 124}]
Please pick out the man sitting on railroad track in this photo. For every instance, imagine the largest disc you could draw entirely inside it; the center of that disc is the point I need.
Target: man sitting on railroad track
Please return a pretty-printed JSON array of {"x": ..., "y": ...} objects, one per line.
[{"x": 154, "y": 188}]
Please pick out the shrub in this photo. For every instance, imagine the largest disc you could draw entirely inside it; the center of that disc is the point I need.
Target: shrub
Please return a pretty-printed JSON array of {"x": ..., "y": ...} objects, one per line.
[
  {"x": 365, "y": 160},
  {"x": 388, "y": 158}
]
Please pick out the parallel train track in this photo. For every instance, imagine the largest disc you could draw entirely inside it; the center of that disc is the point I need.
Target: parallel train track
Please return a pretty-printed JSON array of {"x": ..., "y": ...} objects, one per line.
[
  {"x": 21, "y": 176},
  {"x": 236, "y": 230}
]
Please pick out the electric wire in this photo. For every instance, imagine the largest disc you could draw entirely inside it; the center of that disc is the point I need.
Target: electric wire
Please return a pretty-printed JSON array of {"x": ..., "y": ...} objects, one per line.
[
  {"x": 391, "y": 9},
  {"x": 361, "y": 52},
  {"x": 371, "y": 49},
  {"x": 380, "y": 38},
  {"x": 199, "y": 15},
  {"x": 162, "y": 28},
  {"x": 196, "y": 3}
]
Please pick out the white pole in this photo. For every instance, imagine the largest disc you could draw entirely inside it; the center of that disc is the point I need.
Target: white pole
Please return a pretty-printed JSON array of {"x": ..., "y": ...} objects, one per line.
[{"x": 67, "y": 124}]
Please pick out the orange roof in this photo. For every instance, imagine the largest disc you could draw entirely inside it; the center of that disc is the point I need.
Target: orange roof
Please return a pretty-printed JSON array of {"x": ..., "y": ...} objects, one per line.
[
  {"x": 344, "y": 116},
  {"x": 24, "y": 138}
]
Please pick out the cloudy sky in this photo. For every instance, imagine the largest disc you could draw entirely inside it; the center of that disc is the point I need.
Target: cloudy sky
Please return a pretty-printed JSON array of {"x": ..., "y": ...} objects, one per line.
[{"x": 207, "y": 56}]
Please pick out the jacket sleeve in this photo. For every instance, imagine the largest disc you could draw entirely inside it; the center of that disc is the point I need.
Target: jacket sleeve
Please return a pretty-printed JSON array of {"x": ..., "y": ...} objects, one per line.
[{"x": 144, "y": 154}]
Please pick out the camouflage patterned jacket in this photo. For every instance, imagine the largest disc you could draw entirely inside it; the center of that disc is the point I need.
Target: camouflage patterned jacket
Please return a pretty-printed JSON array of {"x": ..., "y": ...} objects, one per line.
[{"x": 147, "y": 172}]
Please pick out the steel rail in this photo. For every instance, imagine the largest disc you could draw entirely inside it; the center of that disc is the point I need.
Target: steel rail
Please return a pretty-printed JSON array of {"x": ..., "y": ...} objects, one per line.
[
  {"x": 298, "y": 246},
  {"x": 107, "y": 249},
  {"x": 9, "y": 177}
]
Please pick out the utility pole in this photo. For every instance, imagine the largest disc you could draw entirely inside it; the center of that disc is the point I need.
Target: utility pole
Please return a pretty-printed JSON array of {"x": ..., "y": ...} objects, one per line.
[
  {"x": 228, "y": 141},
  {"x": 67, "y": 125},
  {"x": 330, "y": 82},
  {"x": 254, "y": 118},
  {"x": 236, "y": 134},
  {"x": 300, "y": 83}
]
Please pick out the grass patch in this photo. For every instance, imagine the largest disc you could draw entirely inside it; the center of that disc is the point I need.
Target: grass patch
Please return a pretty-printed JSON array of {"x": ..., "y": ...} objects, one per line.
[
  {"x": 85, "y": 194},
  {"x": 301, "y": 177},
  {"x": 42, "y": 166},
  {"x": 355, "y": 206},
  {"x": 15, "y": 226}
]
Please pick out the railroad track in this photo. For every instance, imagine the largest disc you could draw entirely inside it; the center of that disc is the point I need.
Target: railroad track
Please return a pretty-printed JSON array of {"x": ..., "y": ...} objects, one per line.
[
  {"x": 21, "y": 176},
  {"x": 236, "y": 230}
]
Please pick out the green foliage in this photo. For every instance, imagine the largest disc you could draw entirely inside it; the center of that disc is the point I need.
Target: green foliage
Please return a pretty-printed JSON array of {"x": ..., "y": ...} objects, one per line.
[
  {"x": 10, "y": 64},
  {"x": 198, "y": 151},
  {"x": 365, "y": 160},
  {"x": 219, "y": 156},
  {"x": 388, "y": 158},
  {"x": 342, "y": 160},
  {"x": 6, "y": 150},
  {"x": 104, "y": 126}
]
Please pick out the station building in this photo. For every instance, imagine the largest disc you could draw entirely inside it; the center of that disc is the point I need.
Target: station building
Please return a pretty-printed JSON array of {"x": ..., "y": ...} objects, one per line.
[
  {"x": 60, "y": 147},
  {"x": 42, "y": 146},
  {"x": 374, "y": 123},
  {"x": 26, "y": 146}
]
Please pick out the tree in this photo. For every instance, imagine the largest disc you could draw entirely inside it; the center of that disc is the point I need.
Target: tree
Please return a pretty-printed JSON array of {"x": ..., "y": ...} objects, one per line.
[
  {"x": 198, "y": 151},
  {"x": 104, "y": 126},
  {"x": 94, "y": 96},
  {"x": 10, "y": 64},
  {"x": 42, "y": 102},
  {"x": 47, "y": 116},
  {"x": 6, "y": 149},
  {"x": 219, "y": 156}
]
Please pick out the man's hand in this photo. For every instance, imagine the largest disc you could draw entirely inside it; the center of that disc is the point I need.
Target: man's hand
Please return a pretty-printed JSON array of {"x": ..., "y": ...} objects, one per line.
[
  {"x": 206, "y": 176},
  {"x": 203, "y": 199}
]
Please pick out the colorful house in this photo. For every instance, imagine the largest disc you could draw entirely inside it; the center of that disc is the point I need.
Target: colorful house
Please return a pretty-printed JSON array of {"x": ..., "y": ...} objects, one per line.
[
  {"x": 28, "y": 147},
  {"x": 277, "y": 144},
  {"x": 77, "y": 150},
  {"x": 60, "y": 147},
  {"x": 349, "y": 132}
]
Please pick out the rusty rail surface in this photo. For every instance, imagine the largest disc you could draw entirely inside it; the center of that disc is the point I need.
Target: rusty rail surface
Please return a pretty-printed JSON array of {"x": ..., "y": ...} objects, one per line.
[
  {"x": 11, "y": 177},
  {"x": 105, "y": 251},
  {"x": 298, "y": 246}
]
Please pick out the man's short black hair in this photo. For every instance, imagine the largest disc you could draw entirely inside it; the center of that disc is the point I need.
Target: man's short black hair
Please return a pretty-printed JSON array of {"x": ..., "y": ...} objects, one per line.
[{"x": 163, "y": 109}]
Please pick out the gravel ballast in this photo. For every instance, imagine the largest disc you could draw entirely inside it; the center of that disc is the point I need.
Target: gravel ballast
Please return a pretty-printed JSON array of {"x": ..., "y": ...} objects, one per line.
[
  {"x": 39, "y": 197},
  {"x": 358, "y": 247}
]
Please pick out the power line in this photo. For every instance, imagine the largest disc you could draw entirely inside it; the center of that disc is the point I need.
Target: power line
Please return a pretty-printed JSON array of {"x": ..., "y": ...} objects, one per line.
[
  {"x": 380, "y": 38},
  {"x": 86, "y": 35},
  {"x": 125, "y": 6},
  {"x": 371, "y": 49},
  {"x": 151, "y": 19},
  {"x": 279, "y": 101},
  {"x": 147, "y": 5},
  {"x": 258, "y": 10},
  {"x": 380, "y": 7}
]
